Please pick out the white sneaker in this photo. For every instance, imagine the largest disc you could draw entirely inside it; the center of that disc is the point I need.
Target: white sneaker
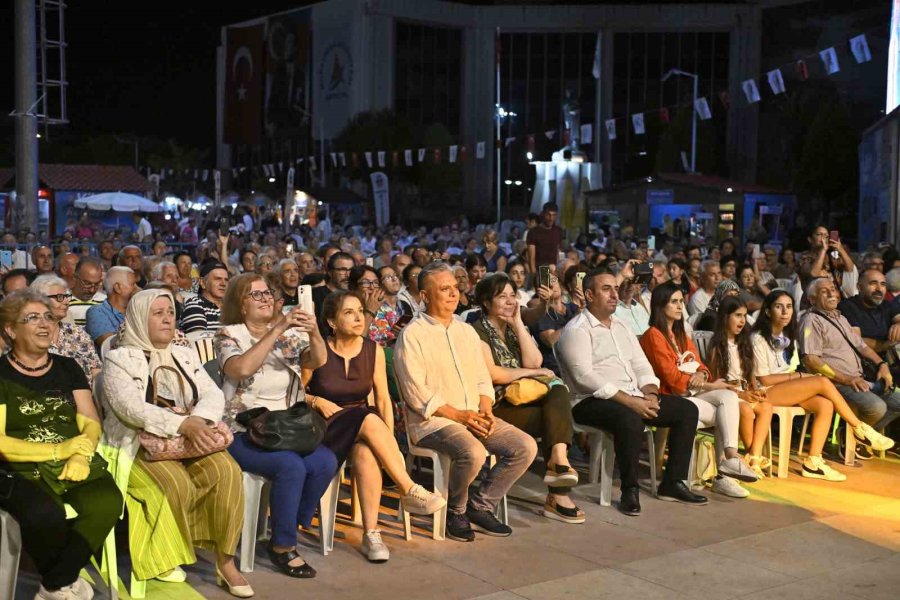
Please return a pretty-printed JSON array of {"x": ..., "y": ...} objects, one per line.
[
  {"x": 867, "y": 435},
  {"x": 419, "y": 501},
  {"x": 728, "y": 487},
  {"x": 736, "y": 468},
  {"x": 374, "y": 548},
  {"x": 63, "y": 593},
  {"x": 815, "y": 467}
]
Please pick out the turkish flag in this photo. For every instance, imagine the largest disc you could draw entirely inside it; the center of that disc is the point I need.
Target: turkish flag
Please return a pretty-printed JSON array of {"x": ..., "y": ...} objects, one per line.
[{"x": 244, "y": 73}]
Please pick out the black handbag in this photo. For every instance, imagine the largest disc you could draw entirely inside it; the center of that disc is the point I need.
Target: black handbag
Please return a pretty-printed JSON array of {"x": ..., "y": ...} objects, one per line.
[{"x": 298, "y": 428}]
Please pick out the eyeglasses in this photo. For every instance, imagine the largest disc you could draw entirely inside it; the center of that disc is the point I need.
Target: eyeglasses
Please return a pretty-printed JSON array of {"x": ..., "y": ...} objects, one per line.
[
  {"x": 89, "y": 285},
  {"x": 341, "y": 269},
  {"x": 34, "y": 318},
  {"x": 390, "y": 278},
  {"x": 260, "y": 295},
  {"x": 368, "y": 283},
  {"x": 67, "y": 297}
]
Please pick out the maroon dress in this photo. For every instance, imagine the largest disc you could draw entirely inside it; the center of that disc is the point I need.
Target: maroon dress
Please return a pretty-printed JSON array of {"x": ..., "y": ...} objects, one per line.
[{"x": 350, "y": 390}]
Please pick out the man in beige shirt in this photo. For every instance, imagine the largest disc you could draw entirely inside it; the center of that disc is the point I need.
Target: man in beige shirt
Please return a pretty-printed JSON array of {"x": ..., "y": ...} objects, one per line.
[{"x": 449, "y": 396}]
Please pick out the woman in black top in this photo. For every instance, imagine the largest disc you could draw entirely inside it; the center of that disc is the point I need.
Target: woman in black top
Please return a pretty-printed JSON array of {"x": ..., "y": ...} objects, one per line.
[{"x": 49, "y": 430}]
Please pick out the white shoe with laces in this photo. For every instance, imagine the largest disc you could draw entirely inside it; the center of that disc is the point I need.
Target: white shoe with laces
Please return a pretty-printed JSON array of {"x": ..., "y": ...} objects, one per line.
[
  {"x": 728, "y": 487},
  {"x": 374, "y": 548},
  {"x": 815, "y": 467},
  {"x": 419, "y": 501}
]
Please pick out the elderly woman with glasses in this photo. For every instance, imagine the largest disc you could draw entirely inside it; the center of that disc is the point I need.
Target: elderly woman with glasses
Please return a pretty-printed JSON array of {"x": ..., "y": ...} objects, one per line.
[
  {"x": 261, "y": 358},
  {"x": 49, "y": 430},
  {"x": 69, "y": 340}
]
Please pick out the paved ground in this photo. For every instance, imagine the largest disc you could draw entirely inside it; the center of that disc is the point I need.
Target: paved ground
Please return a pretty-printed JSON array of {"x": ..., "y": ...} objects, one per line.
[{"x": 794, "y": 539}]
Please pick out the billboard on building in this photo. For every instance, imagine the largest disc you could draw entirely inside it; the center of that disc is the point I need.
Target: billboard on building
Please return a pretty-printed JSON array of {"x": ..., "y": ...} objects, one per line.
[{"x": 334, "y": 64}]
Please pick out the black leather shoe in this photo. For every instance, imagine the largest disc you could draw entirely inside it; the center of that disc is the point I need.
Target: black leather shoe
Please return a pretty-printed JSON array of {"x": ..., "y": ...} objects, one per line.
[
  {"x": 679, "y": 492},
  {"x": 630, "y": 502},
  {"x": 281, "y": 561}
]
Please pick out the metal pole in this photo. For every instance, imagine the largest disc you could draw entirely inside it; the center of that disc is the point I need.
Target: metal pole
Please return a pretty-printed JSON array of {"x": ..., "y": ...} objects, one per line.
[
  {"x": 497, "y": 117},
  {"x": 694, "y": 129},
  {"x": 26, "y": 120}
]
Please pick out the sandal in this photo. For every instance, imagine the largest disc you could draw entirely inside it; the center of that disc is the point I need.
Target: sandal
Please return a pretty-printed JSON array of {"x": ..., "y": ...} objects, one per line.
[
  {"x": 561, "y": 476},
  {"x": 282, "y": 560},
  {"x": 552, "y": 510},
  {"x": 756, "y": 464}
]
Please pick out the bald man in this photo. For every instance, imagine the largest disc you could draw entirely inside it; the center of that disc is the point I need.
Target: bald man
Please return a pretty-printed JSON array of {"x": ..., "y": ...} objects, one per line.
[{"x": 65, "y": 268}]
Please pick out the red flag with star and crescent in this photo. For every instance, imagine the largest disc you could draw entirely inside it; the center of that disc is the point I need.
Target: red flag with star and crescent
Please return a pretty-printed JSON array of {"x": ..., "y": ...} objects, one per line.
[{"x": 244, "y": 75}]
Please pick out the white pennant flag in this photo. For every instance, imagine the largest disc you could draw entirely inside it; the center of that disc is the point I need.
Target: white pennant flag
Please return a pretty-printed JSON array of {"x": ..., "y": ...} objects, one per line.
[
  {"x": 369, "y": 159},
  {"x": 637, "y": 121},
  {"x": 281, "y": 167},
  {"x": 312, "y": 163},
  {"x": 298, "y": 161},
  {"x": 453, "y": 150},
  {"x": 334, "y": 159},
  {"x": 860, "y": 48},
  {"x": 550, "y": 133},
  {"x": 508, "y": 141},
  {"x": 381, "y": 158},
  {"x": 776, "y": 81},
  {"x": 830, "y": 60},
  {"x": 234, "y": 173},
  {"x": 407, "y": 157},
  {"x": 479, "y": 150},
  {"x": 205, "y": 174},
  {"x": 343, "y": 159},
  {"x": 587, "y": 134},
  {"x": 611, "y": 129},
  {"x": 702, "y": 108},
  {"x": 196, "y": 173},
  {"x": 421, "y": 154},
  {"x": 751, "y": 92}
]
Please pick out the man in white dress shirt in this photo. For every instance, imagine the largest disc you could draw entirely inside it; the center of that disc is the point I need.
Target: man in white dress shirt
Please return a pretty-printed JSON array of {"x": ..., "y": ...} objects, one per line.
[{"x": 614, "y": 388}]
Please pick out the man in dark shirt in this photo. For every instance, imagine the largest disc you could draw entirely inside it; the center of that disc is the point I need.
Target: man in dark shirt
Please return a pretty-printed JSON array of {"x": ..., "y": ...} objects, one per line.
[
  {"x": 545, "y": 239},
  {"x": 877, "y": 320},
  {"x": 339, "y": 265}
]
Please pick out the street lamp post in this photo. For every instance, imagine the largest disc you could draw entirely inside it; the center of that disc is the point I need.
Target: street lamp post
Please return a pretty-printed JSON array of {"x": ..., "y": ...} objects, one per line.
[{"x": 693, "y": 113}]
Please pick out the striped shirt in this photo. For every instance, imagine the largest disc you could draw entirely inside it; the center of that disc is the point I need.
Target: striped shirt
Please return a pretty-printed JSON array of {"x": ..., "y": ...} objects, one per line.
[
  {"x": 200, "y": 315},
  {"x": 78, "y": 308}
]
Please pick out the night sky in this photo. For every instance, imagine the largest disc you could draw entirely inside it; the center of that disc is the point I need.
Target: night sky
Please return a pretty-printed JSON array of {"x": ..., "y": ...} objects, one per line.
[{"x": 140, "y": 67}]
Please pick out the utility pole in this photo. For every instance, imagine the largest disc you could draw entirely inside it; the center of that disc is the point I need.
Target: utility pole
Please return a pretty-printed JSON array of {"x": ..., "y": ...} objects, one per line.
[{"x": 26, "y": 213}]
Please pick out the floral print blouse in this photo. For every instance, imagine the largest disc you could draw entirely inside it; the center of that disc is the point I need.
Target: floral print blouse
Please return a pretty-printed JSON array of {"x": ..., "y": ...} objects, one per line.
[
  {"x": 74, "y": 342},
  {"x": 380, "y": 331}
]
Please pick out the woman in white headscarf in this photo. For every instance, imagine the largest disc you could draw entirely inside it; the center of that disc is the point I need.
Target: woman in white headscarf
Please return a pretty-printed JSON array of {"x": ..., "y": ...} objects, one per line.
[{"x": 173, "y": 505}]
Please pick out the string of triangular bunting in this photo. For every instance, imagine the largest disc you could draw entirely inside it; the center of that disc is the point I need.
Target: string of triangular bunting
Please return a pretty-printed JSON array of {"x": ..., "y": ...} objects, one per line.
[{"x": 828, "y": 58}]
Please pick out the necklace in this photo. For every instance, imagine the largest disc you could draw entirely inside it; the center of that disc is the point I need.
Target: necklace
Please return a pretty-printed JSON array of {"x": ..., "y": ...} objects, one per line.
[{"x": 25, "y": 367}]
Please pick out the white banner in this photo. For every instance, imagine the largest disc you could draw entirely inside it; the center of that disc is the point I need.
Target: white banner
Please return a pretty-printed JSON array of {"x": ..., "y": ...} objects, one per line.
[
  {"x": 407, "y": 157},
  {"x": 611, "y": 129},
  {"x": 860, "y": 48},
  {"x": 776, "y": 81},
  {"x": 421, "y": 154},
  {"x": 381, "y": 194},
  {"x": 453, "y": 151},
  {"x": 751, "y": 92},
  {"x": 381, "y": 159},
  {"x": 702, "y": 108},
  {"x": 334, "y": 79},
  {"x": 369, "y": 159},
  {"x": 830, "y": 60}
]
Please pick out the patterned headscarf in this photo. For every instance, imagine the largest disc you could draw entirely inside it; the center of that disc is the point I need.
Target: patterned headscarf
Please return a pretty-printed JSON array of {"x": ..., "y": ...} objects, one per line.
[{"x": 722, "y": 291}]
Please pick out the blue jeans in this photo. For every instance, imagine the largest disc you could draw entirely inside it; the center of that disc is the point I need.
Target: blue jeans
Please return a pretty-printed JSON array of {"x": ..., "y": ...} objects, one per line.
[
  {"x": 297, "y": 483},
  {"x": 873, "y": 407}
]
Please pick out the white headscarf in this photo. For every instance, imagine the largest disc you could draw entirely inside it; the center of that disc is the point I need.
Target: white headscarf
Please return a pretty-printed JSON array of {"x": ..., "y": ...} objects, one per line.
[{"x": 136, "y": 334}]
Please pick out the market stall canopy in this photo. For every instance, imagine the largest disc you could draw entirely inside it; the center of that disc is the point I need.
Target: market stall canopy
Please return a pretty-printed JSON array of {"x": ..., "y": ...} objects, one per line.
[{"x": 119, "y": 202}]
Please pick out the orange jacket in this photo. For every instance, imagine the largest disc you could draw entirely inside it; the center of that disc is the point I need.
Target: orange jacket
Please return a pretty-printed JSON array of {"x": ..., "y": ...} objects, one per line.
[{"x": 665, "y": 361}]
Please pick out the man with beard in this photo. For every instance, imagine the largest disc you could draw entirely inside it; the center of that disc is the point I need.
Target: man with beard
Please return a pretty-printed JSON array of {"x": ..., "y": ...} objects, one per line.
[{"x": 878, "y": 321}]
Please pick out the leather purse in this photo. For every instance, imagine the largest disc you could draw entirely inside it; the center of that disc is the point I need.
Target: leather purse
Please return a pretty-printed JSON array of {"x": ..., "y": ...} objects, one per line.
[
  {"x": 299, "y": 428},
  {"x": 529, "y": 389},
  {"x": 158, "y": 448}
]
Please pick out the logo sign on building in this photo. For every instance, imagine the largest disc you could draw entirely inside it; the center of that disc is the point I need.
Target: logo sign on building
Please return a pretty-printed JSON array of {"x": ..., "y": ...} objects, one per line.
[
  {"x": 333, "y": 80},
  {"x": 660, "y": 196}
]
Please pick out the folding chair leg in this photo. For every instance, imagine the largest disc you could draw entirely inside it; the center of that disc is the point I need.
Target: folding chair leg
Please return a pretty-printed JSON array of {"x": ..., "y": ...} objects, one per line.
[
  {"x": 442, "y": 485},
  {"x": 328, "y": 512},
  {"x": 651, "y": 453},
  {"x": 802, "y": 440},
  {"x": 138, "y": 587},
  {"x": 849, "y": 446},
  {"x": 784, "y": 444},
  {"x": 251, "y": 521},
  {"x": 595, "y": 441}
]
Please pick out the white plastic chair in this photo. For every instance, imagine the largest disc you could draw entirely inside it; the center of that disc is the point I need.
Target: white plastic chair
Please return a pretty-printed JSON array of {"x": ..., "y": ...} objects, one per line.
[
  {"x": 205, "y": 349},
  {"x": 603, "y": 459},
  {"x": 786, "y": 416},
  {"x": 701, "y": 340},
  {"x": 11, "y": 552}
]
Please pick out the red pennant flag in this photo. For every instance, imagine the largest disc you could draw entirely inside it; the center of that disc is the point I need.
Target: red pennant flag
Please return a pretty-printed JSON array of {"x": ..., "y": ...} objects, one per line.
[
  {"x": 462, "y": 153},
  {"x": 437, "y": 156},
  {"x": 567, "y": 137},
  {"x": 664, "y": 115},
  {"x": 802, "y": 70},
  {"x": 531, "y": 143},
  {"x": 725, "y": 99},
  {"x": 396, "y": 158},
  {"x": 354, "y": 160}
]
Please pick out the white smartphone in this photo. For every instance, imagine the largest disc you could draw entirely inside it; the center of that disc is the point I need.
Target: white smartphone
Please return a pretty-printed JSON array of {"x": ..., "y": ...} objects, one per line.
[
  {"x": 651, "y": 242},
  {"x": 305, "y": 299},
  {"x": 370, "y": 262}
]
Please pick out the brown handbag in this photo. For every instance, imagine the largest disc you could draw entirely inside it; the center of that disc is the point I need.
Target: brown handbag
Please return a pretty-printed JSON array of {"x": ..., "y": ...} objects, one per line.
[{"x": 158, "y": 448}]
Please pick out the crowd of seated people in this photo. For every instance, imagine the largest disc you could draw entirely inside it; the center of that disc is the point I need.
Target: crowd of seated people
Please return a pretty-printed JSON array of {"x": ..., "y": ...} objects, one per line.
[{"x": 472, "y": 343}]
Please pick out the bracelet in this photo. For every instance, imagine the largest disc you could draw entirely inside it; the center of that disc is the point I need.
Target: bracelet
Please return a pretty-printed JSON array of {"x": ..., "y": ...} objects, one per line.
[
  {"x": 55, "y": 453},
  {"x": 369, "y": 312}
]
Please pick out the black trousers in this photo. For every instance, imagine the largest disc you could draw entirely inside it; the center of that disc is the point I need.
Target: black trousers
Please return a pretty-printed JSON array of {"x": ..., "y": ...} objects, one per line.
[
  {"x": 550, "y": 419},
  {"x": 61, "y": 547},
  {"x": 627, "y": 428}
]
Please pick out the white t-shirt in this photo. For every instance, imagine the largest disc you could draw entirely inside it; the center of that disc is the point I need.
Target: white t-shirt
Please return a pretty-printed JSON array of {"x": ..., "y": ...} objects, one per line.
[
  {"x": 698, "y": 302},
  {"x": 768, "y": 361},
  {"x": 734, "y": 363},
  {"x": 144, "y": 229}
]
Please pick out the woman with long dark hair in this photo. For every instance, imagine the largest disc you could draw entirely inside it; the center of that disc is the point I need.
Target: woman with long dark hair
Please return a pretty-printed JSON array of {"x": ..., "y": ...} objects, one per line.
[
  {"x": 677, "y": 364},
  {"x": 677, "y": 270},
  {"x": 731, "y": 357},
  {"x": 774, "y": 346}
]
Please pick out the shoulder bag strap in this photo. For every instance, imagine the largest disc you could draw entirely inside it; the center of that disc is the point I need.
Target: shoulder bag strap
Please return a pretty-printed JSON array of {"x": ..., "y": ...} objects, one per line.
[{"x": 844, "y": 335}]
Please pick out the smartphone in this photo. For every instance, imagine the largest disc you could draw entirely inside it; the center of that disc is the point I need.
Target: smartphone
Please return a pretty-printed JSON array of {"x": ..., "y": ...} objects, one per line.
[
  {"x": 560, "y": 256},
  {"x": 289, "y": 249},
  {"x": 224, "y": 225},
  {"x": 579, "y": 279},
  {"x": 834, "y": 236},
  {"x": 404, "y": 320},
  {"x": 757, "y": 253},
  {"x": 6, "y": 259},
  {"x": 544, "y": 275},
  {"x": 370, "y": 262},
  {"x": 305, "y": 299},
  {"x": 643, "y": 272},
  {"x": 651, "y": 242}
]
